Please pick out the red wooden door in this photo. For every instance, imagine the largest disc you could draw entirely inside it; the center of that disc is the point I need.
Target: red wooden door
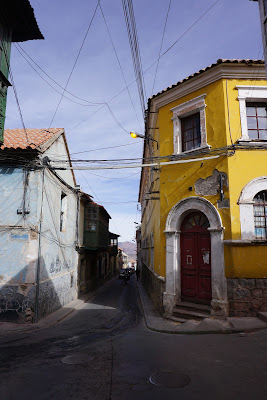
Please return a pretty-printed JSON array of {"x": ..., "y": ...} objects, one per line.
[{"x": 195, "y": 259}]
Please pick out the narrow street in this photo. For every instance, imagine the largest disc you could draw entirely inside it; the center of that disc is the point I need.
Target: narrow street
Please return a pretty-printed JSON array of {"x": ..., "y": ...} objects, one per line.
[{"x": 103, "y": 351}]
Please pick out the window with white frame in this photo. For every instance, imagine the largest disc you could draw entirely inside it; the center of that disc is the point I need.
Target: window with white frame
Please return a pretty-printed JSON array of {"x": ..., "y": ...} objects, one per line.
[
  {"x": 253, "y": 210},
  {"x": 253, "y": 113},
  {"x": 189, "y": 125},
  {"x": 260, "y": 215},
  {"x": 257, "y": 120}
]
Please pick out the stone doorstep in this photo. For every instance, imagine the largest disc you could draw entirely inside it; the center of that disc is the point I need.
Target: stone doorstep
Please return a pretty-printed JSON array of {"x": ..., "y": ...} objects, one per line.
[
  {"x": 262, "y": 315},
  {"x": 187, "y": 310}
]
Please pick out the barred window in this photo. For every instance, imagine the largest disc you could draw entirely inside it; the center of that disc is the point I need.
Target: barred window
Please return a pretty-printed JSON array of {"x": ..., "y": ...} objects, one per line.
[{"x": 260, "y": 215}]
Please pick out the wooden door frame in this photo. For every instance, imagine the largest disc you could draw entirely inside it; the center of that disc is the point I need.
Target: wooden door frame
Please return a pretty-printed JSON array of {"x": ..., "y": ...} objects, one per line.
[{"x": 172, "y": 295}]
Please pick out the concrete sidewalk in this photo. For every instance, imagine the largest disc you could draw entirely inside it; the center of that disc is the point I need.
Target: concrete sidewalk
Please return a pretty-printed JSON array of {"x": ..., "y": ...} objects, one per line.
[
  {"x": 156, "y": 322},
  {"x": 51, "y": 319}
]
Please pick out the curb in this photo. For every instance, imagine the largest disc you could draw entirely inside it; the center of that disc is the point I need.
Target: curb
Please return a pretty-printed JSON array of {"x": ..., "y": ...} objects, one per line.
[{"x": 172, "y": 330}]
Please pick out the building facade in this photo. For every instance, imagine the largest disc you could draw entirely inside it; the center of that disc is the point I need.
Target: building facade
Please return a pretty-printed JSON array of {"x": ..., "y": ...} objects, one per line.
[
  {"x": 204, "y": 231},
  {"x": 38, "y": 225},
  {"x": 98, "y": 248}
]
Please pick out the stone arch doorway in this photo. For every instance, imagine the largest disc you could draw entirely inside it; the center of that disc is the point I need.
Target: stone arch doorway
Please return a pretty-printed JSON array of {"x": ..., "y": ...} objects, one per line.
[
  {"x": 174, "y": 231},
  {"x": 195, "y": 259}
]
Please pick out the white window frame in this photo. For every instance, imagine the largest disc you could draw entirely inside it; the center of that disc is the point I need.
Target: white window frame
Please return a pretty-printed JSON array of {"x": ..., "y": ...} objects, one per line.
[
  {"x": 196, "y": 105},
  {"x": 248, "y": 94},
  {"x": 246, "y": 204}
]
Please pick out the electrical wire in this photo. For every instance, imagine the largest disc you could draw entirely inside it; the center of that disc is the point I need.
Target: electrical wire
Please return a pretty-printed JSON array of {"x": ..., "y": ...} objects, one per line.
[
  {"x": 105, "y": 148},
  {"x": 190, "y": 27},
  {"x": 91, "y": 188},
  {"x": 135, "y": 51},
  {"x": 150, "y": 66},
  {"x": 75, "y": 62},
  {"x": 121, "y": 69},
  {"x": 92, "y": 103},
  {"x": 163, "y": 34}
]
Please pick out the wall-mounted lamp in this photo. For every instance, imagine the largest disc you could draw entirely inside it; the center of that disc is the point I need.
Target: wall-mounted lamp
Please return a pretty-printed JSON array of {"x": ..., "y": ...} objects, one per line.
[{"x": 139, "y": 135}]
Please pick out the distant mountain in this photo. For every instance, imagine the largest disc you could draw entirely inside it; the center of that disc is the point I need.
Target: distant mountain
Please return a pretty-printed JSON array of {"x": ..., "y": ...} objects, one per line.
[{"x": 129, "y": 248}]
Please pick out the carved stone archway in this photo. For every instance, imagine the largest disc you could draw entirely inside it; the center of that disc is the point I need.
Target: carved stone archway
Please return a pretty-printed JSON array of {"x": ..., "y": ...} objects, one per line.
[{"x": 219, "y": 302}]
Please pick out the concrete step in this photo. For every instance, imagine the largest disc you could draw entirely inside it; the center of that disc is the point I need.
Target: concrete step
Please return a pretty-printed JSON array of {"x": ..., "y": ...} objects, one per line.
[
  {"x": 194, "y": 306},
  {"x": 186, "y": 310},
  {"x": 262, "y": 315}
]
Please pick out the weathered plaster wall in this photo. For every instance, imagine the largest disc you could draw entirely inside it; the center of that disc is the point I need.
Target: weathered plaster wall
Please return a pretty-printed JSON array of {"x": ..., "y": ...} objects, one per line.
[
  {"x": 19, "y": 243},
  {"x": 181, "y": 181},
  {"x": 58, "y": 269},
  {"x": 58, "y": 152}
]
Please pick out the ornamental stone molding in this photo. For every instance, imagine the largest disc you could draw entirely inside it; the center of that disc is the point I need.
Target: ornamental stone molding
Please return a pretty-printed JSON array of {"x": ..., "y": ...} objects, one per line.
[
  {"x": 245, "y": 202},
  {"x": 219, "y": 303}
]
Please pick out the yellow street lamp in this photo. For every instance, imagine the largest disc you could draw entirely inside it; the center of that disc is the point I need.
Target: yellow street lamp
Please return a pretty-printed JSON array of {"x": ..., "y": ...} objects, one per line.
[{"x": 135, "y": 135}]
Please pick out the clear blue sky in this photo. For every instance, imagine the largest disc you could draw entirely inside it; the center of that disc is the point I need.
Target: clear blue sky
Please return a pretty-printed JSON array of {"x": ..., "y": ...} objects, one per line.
[{"x": 231, "y": 29}]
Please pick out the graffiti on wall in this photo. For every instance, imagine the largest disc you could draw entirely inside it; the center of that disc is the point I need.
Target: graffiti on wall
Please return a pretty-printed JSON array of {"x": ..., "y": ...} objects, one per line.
[{"x": 57, "y": 266}]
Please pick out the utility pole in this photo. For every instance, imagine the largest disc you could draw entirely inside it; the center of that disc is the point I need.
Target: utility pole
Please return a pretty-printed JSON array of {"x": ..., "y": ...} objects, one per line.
[{"x": 263, "y": 22}]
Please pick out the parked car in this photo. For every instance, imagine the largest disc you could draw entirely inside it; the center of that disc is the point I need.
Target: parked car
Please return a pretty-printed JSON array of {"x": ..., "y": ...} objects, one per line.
[{"x": 122, "y": 273}]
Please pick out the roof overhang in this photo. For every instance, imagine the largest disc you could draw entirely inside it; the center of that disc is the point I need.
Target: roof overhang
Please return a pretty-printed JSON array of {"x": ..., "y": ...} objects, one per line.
[{"x": 19, "y": 15}]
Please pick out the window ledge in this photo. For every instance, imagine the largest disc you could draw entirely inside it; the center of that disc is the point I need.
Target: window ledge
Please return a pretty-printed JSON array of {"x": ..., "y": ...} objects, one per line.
[
  {"x": 252, "y": 143},
  {"x": 253, "y": 242},
  {"x": 197, "y": 150}
]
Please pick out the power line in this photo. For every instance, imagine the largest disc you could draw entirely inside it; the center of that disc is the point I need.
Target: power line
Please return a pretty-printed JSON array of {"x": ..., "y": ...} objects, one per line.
[
  {"x": 158, "y": 164},
  {"x": 77, "y": 97},
  {"x": 185, "y": 32},
  {"x": 161, "y": 46},
  {"x": 116, "y": 120},
  {"x": 151, "y": 65},
  {"x": 91, "y": 188},
  {"x": 135, "y": 51},
  {"x": 116, "y": 177},
  {"x": 62, "y": 94},
  {"x": 74, "y": 65},
  {"x": 116, "y": 54},
  {"x": 105, "y": 148}
]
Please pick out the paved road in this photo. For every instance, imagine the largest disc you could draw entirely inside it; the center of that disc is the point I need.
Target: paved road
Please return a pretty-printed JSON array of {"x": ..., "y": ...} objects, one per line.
[{"x": 103, "y": 351}]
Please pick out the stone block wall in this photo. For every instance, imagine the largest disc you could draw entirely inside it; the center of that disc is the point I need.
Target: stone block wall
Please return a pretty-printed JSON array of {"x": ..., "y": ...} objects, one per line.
[
  {"x": 246, "y": 296},
  {"x": 154, "y": 286}
]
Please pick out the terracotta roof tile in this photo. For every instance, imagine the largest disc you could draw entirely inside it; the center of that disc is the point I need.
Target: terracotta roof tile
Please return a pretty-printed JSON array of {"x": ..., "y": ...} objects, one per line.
[{"x": 17, "y": 139}]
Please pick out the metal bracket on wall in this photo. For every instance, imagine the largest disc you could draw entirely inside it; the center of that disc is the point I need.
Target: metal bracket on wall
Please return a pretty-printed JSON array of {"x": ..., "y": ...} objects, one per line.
[
  {"x": 21, "y": 211},
  {"x": 153, "y": 198}
]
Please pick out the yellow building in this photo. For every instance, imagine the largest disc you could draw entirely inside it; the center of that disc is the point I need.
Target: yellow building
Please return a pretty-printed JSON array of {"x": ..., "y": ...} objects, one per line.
[{"x": 204, "y": 195}]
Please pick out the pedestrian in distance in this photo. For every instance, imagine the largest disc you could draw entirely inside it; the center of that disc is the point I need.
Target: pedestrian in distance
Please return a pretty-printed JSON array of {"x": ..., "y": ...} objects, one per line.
[{"x": 137, "y": 273}]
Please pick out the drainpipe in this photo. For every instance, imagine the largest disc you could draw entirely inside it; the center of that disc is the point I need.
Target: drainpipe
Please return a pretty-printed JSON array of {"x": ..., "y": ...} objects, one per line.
[{"x": 38, "y": 267}]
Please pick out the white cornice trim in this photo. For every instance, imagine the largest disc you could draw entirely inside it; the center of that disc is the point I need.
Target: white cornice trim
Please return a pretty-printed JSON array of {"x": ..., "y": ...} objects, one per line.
[
  {"x": 222, "y": 71},
  {"x": 193, "y": 102}
]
